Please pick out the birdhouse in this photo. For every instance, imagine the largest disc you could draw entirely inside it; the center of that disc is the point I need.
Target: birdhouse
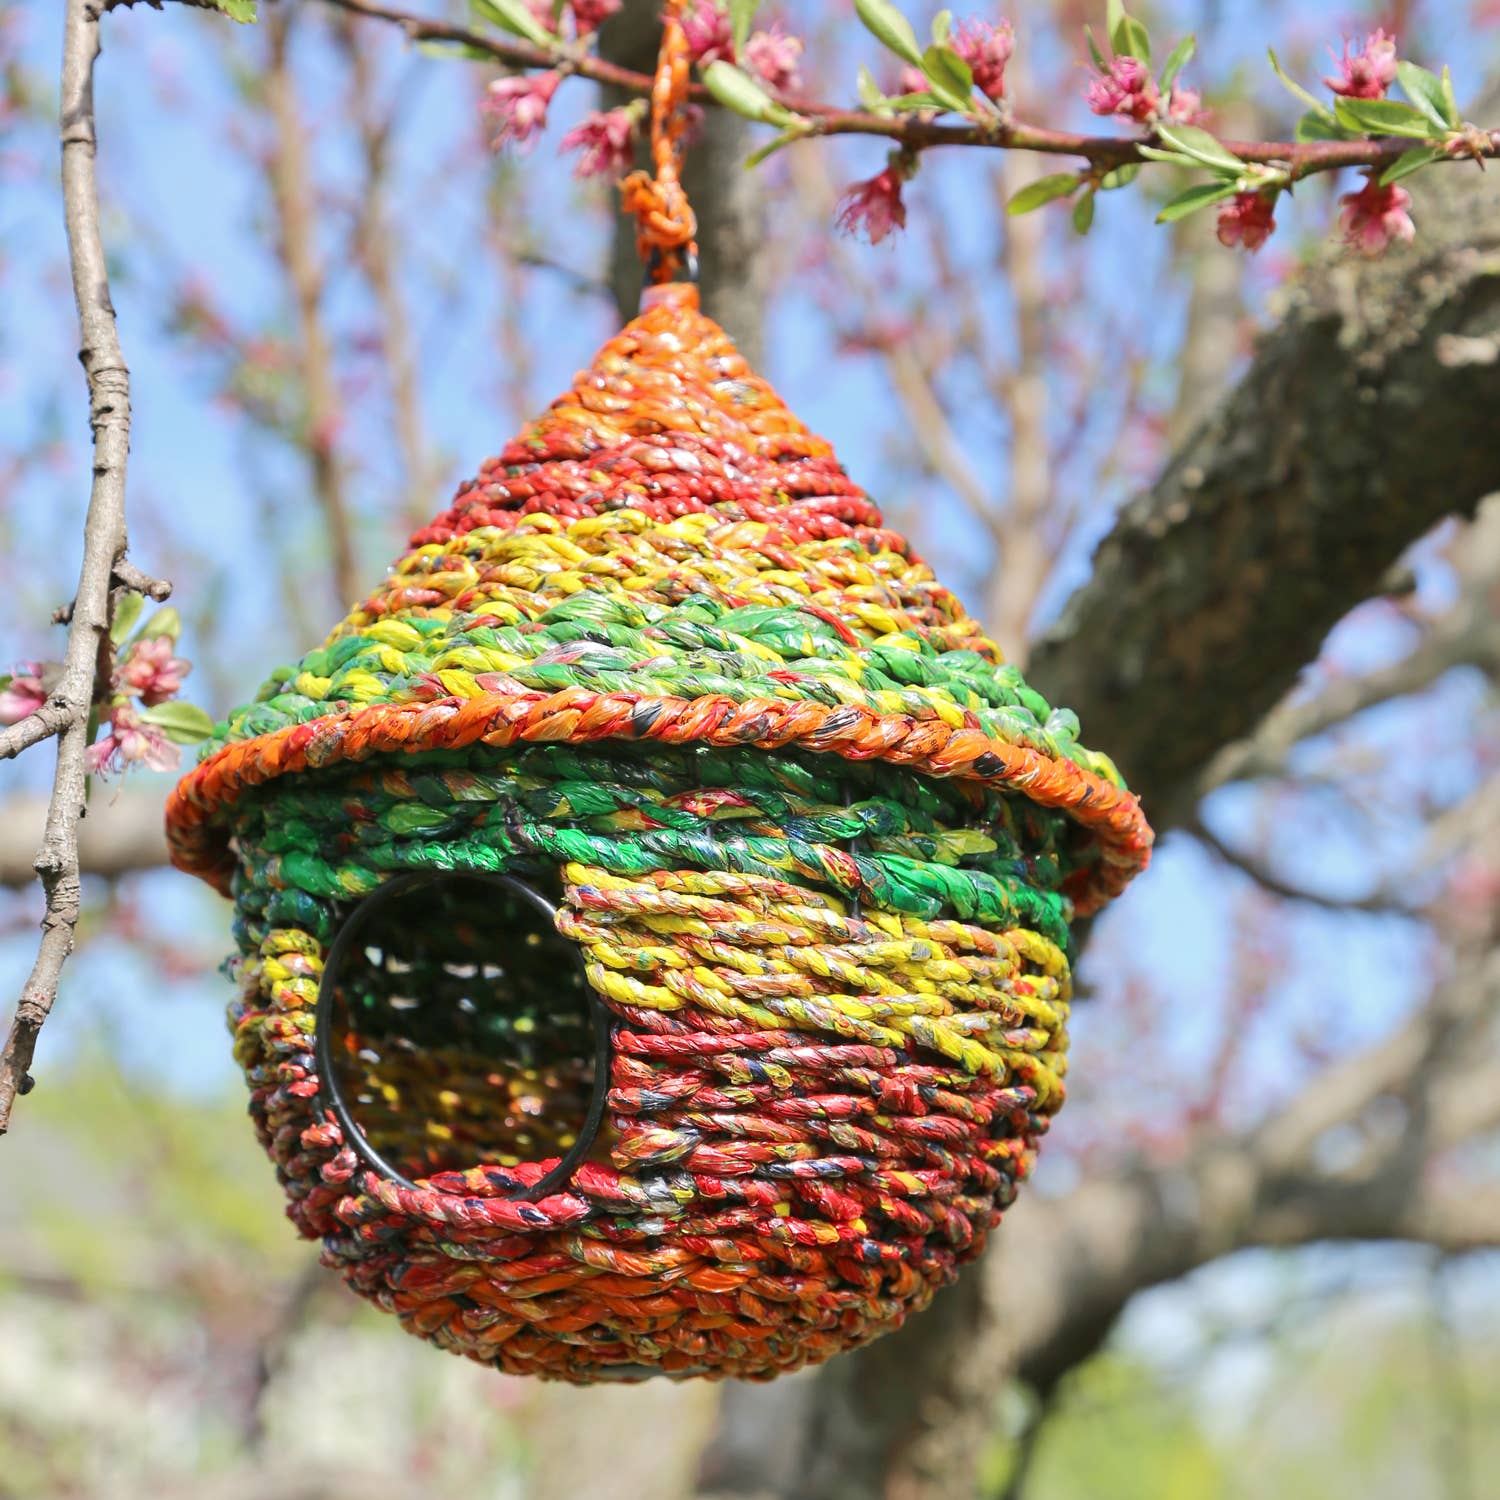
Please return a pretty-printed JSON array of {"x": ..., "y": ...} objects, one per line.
[{"x": 652, "y": 902}]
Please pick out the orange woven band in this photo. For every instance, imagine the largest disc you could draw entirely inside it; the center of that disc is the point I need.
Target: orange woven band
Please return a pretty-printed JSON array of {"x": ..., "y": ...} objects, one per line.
[{"x": 200, "y": 843}]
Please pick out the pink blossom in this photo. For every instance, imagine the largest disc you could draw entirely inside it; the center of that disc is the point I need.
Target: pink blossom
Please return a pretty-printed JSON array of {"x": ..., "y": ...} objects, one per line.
[
  {"x": 130, "y": 742},
  {"x": 150, "y": 671},
  {"x": 605, "y": 139},
  {"x": 1368, "y": 73},
  {"x": 590, "y": 15},
  {"x": 519, "y": 105},
  {"x": 773, "y": 54},
  {"x": 912, "y": 81},
  {"x": 708, "y": 32},
  {"x": 24, "y": 694},
  {"x": 1126, "y": 89},
  {"x": 874, "y": 207},
  {"x": 1375, "y": 216},
  {"x": 1185, "y": 106},
  {"x": 1247, "y": 220},
  {"x": 986, "y": 49}
]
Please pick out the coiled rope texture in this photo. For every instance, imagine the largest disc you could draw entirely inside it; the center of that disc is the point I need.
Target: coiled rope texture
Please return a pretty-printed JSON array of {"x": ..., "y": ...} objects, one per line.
[{"x": 818, "y": 845}]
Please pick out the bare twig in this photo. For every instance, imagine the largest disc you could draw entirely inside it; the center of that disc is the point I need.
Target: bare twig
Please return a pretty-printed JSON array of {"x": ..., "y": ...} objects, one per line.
[
  {"x": 1024, "y": 562},
  {"x": 1268, "y": 880},
  {"x": 296, "y": 217},
  {"x": 374, "y": 249},
  {"x": 104, "y": 540}
]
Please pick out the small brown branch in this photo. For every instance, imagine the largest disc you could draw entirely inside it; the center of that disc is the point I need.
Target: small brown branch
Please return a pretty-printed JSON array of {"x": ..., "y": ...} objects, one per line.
[
  {"x": 1269, "y": 881},
  {"x": 296, "y": 217},
  {"x": 103, "y": 548},
  {"x": 130, "y": 577},
  {"x": 914, "y": 132},
  {"x": 1024, "y": 561},
  {"x": 374, "y": 249}
]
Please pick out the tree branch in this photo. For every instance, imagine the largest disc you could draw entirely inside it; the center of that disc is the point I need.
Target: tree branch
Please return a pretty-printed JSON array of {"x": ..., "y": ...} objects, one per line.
[
  {"x": 103, "y": 547},
  {"x": 296, "y": 218},
  {"x": 913, "y": 131},
  {"x": 1468, "y": 634},
  {"x": 1268, "y": 880},
  {"x": 1347, "y": 440}
]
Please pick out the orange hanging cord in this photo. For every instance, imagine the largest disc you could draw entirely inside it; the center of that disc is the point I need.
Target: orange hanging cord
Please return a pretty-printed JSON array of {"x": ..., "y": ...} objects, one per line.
[{"x": 666, "y": 227}]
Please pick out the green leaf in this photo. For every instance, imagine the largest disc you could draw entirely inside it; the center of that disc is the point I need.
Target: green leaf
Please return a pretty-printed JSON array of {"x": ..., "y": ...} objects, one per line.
[
  {"x": 942, "y": 28},
  {"x": 1201, "y": 146},
  {"x": 1177, "y": 158},
  {"x": 890, "y": 28},
  {"x": 1201, "y": 196},
  {"x": 1316, "y": 126},
  {"x": 741, "y": 18},
  {"x": 1100, "y": 62},
  {"x": 951, "y": 78},
  {"x": 869, "y": 93},
  {"x": 737, "y": 90},
  {"x": 1177, "y": 60},
  {"x": 794, "y": 132},
  {"x": 1083, "y": 213},
  {"x": 166, "y": 621},
  {"x": 1383, "y": 117},
  {"x": 1115, "y": 22},
  {"x": 1043, "y": 190},
  {"x": 512, "y": 16},
  {"x": 1425, "y": 90},
  {"x": 128, "y": 609},
  {"x": 1127, "y": 36},
  {"x": 1450, "y": 103},
  {"x": 242, "y": 11},
  {"x": 1120, "y": 177},
  {"x": 1409, "y": 162},
  {"x": 182, "y": 723},
  {"x": 1315, "y": 104},
  {"x": 915, "y": 101}
]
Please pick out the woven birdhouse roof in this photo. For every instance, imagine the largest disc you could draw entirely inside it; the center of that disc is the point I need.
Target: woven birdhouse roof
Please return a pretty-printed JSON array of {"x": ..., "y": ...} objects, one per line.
[{"x": 667, "y": 555}]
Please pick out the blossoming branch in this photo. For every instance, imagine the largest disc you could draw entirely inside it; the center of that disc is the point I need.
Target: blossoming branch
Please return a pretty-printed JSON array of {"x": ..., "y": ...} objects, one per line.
[{"x": 952, "y": 93}]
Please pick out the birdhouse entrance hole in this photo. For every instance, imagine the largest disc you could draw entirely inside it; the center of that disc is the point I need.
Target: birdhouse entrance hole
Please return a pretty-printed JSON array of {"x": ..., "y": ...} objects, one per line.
[{"x": 456, "y": 1028}]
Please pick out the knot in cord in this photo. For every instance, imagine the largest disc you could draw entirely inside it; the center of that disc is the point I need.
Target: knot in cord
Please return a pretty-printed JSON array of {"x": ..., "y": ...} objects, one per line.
[{"x": 665, "y": 224}]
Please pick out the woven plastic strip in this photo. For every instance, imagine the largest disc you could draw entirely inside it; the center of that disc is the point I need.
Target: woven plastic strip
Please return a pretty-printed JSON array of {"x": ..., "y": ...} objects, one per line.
[
  {"x": 665, "y": 223},
  {"x": 817, "y": 846}
]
